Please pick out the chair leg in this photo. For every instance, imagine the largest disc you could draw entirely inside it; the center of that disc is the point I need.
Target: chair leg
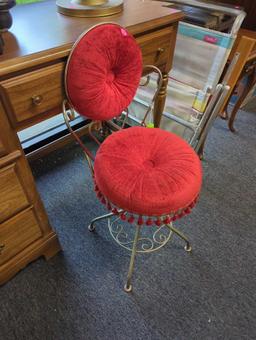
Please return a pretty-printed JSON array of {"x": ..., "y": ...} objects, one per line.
[
  {"x": 91, "y": 226},
  {"x": 128, "y": 286},
  {"x": 187, "y": 247}
]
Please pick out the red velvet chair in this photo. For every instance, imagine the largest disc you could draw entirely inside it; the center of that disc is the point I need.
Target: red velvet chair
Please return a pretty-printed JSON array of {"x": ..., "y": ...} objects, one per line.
[{"x": 146, "y": 177}]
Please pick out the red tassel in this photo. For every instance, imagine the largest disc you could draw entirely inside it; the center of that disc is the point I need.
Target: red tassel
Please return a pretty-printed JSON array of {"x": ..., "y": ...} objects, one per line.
[
  {"x": 182, "y": 214},
  {"x": 115, "y": 211},
  {"x": 192, "y": 205},
  {"x": 167, "y": 220},
  {"x": 131, "y": 219},
  {"x": 103, "y": 200},
  {"x": 109, "y": 206},
  {"x": 99, "y": 195},
  {"x": 158, "y": 222},
  {"x": 174, "y": 218},
  {"x": 123, "y": 217},
  {"x": 140, "y": 221},
  {"x": 187, "y": 211},
  {"x": 149, "y": 221}
]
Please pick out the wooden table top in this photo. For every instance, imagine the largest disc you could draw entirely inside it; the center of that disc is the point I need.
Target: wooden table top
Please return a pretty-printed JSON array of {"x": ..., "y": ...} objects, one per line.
[
  {"x": 39, "y": 27},
  {"x": 249, "y": 34}
]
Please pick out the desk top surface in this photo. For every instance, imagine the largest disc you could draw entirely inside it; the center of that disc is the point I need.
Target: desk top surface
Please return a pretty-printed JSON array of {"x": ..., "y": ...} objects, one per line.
[{"x": 39, "y": 27}]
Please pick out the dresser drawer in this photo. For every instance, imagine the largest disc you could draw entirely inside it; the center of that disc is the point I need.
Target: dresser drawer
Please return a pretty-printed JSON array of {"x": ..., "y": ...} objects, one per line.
[
  {"x": 12, "y": 195},
  {"x": 156, "y": 46},
  {"x": 33, "y": 93},
  {"x": 17, "y": 233}
]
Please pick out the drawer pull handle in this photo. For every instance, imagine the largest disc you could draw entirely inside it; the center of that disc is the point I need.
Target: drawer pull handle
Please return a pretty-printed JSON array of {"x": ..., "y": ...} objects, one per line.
[
  {"x": 2, "y": 246},
  {"x": 37, "y": 100},
  {"x": 160, "y": 50}
]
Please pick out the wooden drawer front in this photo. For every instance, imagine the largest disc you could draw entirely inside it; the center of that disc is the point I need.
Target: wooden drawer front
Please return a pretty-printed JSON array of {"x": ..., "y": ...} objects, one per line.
[
  {"x": 17, "y": 233},
  {"x": 156, "y": 46},
  {"x": 12, "y": 196},
  {"x": 34, "y": 93}
]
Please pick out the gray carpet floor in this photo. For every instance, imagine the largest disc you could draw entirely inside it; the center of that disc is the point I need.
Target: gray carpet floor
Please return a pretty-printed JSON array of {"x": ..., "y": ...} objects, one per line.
[{"x": 208, "y": 294}]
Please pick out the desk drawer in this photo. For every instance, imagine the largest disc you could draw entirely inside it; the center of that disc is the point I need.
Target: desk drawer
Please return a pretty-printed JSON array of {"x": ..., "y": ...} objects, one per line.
[
  {"x": 17, "y": 233},
  {"x": 12, "y": 195},
  {"x": 33, "y": 93},
  {"x": 156, "y": 46}
]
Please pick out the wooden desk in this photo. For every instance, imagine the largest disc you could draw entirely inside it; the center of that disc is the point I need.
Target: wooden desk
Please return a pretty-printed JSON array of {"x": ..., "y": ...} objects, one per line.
[{"x": 31, "y": 90}]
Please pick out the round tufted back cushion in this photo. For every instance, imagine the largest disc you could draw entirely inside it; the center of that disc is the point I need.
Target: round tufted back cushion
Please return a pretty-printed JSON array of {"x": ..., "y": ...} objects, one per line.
[{"x": 103, "y": 72}]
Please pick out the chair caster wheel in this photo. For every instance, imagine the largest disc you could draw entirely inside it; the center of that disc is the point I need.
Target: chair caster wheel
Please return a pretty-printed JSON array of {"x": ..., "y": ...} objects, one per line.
[
  {"x": 188, "y": 248},
  {"x": 91, "y": 227},
  {"x": 127, "y": 289}
]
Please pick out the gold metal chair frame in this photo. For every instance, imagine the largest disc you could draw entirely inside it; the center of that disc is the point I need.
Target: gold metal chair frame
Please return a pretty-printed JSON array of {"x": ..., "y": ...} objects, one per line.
[{"x": 121, "y": 233}]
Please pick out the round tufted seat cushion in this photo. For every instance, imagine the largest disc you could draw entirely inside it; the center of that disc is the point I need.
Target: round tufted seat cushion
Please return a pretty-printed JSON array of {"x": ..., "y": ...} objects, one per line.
[
  {"x": 103, "y": 72},
  {"x": 148, "y": 172}
]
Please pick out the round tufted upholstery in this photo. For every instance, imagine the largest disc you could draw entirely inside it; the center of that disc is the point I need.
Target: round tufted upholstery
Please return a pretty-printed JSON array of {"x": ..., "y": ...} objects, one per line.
[
  {"x": 103, "y": 72},
  {"x": 148, "y": 172}
]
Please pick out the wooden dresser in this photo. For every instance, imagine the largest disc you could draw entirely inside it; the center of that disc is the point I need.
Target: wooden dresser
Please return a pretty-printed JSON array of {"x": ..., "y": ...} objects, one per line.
[{"x": 31, "y": 90}]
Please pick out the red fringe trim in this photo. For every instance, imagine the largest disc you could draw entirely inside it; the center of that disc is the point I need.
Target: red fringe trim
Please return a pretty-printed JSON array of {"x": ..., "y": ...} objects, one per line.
[{"x": 144, "y": 220}]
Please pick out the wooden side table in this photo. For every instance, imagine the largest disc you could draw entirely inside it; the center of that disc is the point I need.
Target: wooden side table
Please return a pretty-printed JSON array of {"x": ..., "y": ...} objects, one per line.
[{"x": 246, "y": 66}]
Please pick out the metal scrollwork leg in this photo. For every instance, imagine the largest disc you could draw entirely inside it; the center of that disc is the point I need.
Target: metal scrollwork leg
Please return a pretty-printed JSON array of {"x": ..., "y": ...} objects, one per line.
[
  {"x": 128, "y": 286},
  {"x": 187, "y": 247},
  {"x": 91, "y": 226}
]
